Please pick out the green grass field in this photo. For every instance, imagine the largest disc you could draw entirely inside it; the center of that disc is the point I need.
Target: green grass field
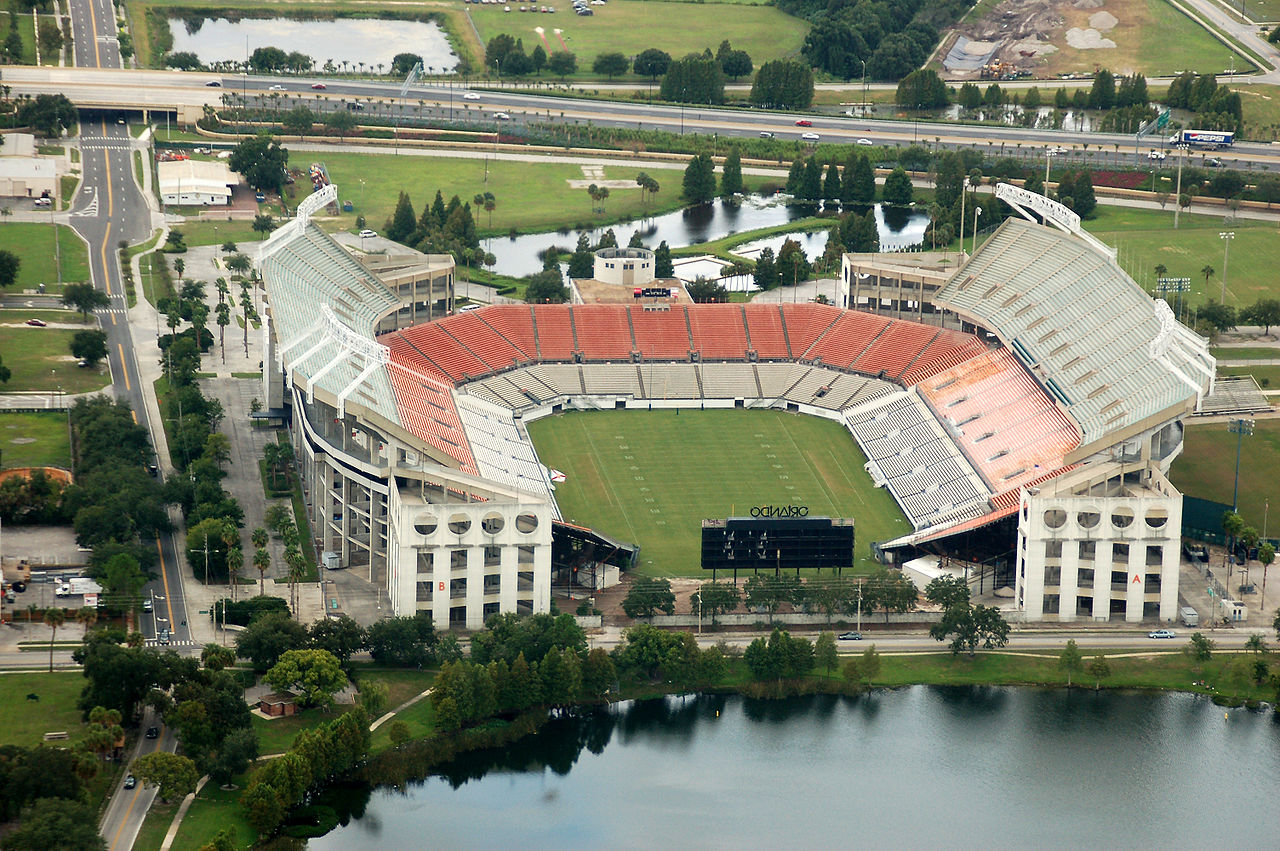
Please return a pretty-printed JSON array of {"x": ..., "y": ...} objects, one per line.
[
  {"x": 652, "y": 477},
  {"x": 1268, "y": 377},
  {"x": 1206, "y": 467},
  {"x": 34, "y": 245},
  {"x": 531, "y": 197},
  {"x": 35, "y": 440},
  {"x": 40, "y": 359},
  {"x": 631, "y": 26},
  {"x": 26, "y": 721},
  {"x": 1245, "y": 352}
]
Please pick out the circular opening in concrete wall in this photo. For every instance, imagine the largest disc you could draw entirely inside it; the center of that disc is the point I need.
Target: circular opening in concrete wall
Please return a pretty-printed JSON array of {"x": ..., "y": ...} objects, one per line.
[
  {"x": 526, "y": 523},
  {"x": 492, "y": 524},
  {"x": 426, "y": 524},
  {"x": 1054, "y": 518},
  {"x": 1122, "y": 518},
  {"x": 459, "y": 524},
  {"x": 1157, "y": 517},
  {"x": 1088, "y": 519}
]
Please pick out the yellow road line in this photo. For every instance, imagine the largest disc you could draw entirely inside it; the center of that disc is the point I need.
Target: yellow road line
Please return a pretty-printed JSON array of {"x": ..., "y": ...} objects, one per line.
[
  {"x": 116, "y": 839},
  {"x": 124, "y": 368},
  {"x": 164, "y": 578},
  {"x": 93, "y": 21}
]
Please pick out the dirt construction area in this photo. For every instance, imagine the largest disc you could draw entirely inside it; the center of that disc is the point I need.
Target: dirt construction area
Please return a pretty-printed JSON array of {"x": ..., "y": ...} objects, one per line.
[{"x": 1052, "y": 38}]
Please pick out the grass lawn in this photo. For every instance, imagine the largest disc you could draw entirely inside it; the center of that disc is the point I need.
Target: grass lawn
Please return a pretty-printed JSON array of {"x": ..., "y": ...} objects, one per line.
[
  {"x": 41, "y": 360},
  {"x": 35, "y": 439},
  {"x": 1266, "y": 376},
  {"x": 34, "y": 245},
  {"x": 651, "y": 477},
  {"x": 630, "y": 26},
  {"x": 531, "y": 197},
  {"x": 1143, "y": 35},
  {"x": 155, "y": 826},
  {"x": 1146, "y": 238},
  {"x": 1261, "y": 106},
  {"x": 1245, "y": 352},
  {"x": 215, "y": 233},
  {"x": 26, "y": 721},
  {"x": 212, "y": 810},
  {"x": 1206, "y": 466}
]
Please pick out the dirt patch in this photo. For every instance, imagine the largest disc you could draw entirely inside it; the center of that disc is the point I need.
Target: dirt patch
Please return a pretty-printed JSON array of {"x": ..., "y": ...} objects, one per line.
[
  {"x": 1103, "y": 21},
  {"x": 1015, "y": 37},
  {"x": 1087, "y": 39}
]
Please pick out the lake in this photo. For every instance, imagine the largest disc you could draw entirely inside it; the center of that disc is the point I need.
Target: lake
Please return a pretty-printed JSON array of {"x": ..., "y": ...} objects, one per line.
[
  {"x": 350, "y": 40},
  {"x": 941, "y": 767}
]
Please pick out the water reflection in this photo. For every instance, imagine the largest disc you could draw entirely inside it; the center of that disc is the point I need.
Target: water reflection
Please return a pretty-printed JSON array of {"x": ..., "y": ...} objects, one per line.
[{"x": 348, "y": 42}]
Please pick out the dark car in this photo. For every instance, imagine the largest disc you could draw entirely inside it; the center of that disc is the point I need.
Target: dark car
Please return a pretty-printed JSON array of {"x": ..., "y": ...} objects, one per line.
[
  {"x": 153, "y": 732},
  {"x": 850, "y": 636},
  {"x": 130, "y": 781}
]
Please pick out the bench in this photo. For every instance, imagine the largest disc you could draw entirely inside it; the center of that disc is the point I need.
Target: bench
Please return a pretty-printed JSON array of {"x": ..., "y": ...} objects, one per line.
[{"x": 61, "y": 734}]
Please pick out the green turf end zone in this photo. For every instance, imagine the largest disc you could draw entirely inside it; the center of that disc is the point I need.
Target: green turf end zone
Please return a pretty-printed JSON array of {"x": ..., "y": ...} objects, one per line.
[{"x": 651, "y": 477}]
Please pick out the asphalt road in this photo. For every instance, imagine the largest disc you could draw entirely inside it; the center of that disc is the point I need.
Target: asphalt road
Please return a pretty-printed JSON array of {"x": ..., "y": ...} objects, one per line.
[{"x": 119, "y": 826}]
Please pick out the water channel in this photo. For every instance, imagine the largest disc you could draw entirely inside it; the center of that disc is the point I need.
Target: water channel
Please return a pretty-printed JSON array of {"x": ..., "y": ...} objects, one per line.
[
  {"x": 351, "y": 40},
  {"x": 517, "y": 256},
  {"x": 936, "y": 767}
]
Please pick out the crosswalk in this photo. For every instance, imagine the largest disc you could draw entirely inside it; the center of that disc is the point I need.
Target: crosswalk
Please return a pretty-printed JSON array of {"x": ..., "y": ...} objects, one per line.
[
  {"x": 155, "y": 642},
  {"x": 91, "y": 209},
  {"x": 87, "y": 145},
  {"x": 113, "y": 311}
]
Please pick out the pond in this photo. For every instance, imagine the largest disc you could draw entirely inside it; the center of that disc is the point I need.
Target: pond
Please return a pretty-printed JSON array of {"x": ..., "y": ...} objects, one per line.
[
  {"x": 346, "y": 42},
  {"x": 519, "y": 255},
  {"x": 919, "y": 767}
]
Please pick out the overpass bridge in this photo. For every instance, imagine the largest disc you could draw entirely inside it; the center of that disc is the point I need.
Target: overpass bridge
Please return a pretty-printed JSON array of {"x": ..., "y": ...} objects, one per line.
[{"x": 122, "y": 90}]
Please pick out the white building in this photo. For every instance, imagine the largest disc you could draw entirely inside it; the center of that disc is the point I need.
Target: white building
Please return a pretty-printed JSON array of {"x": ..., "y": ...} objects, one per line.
[
  {"x": 632, "y": 267},
  {"x": 28, "y": 177},
  {"x": 195, "y": 182}
]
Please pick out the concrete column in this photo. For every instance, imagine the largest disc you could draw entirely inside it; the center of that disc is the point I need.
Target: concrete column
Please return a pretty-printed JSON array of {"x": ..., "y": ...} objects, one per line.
[
  {"x": 509, "y": 570},
  {"x": 475, "y": 588},
  {"x": 440, "y": 588},
  {"x": 1102, "y": 562},
  {"x": 542, "y": 576},
  {"x": 1070, "y": 584},
  {"x": 1135, "y": 582}
]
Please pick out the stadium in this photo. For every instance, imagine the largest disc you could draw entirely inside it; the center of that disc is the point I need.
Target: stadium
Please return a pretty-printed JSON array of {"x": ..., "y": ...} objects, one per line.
[{"x": 1030, "y": 403}]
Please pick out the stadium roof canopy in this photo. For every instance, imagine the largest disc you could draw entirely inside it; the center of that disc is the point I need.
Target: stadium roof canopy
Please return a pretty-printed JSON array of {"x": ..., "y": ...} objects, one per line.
[{"x": 1109, "y": 353}]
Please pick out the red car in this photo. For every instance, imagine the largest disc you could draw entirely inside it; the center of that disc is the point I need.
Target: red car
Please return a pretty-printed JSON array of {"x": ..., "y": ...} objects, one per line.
[
  {"x": 804, "y": 122},
  {"x": 39, "y": 323},
  {"x": 318, "y": 86}
]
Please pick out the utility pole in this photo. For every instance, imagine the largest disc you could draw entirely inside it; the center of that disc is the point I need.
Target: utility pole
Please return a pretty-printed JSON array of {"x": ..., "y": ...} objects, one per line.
[
  {"x": 1226, "y": 237},
  {"x": 1177, "y": 201},
  {"x": 858, "y": 627}
]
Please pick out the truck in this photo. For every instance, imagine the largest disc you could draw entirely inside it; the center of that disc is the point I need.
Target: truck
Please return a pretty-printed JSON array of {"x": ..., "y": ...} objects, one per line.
[
  {"x": 78, "y": 585},
  {"x": 1211, "y": 139},
  {"x": 1190, "y": 617}
]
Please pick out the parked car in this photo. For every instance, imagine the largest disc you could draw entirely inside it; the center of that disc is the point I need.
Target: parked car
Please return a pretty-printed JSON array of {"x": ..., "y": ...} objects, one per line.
[
  {"x": 803, "y": 122},
  {"x": 39, "y": 323},
  {"x": 1162, "y": 633},
  {"x": 319, "y": 86},
  {"x": 130, "y": 781},
  {"x": 850, "y": 636},
  {"x": 147, "y": 605},
  {"x": 43, "y": 201},
  {"x": 366, "y": 233},
  {"x": 810, "y": 137},
  {"x": 259, "y": 197}
]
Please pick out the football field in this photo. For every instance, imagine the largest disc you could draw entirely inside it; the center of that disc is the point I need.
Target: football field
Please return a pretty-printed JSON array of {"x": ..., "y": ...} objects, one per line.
[{"x": 651, "y": 477}]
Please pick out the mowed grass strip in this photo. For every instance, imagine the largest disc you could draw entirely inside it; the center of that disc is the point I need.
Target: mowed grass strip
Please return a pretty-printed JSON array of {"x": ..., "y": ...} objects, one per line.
[
  {"x": 531, "y": 197},
  {"x": 35, "y": 245},
  {"x": 26, "y": 721},
  {"x": 40, "y": 360},
  {"x": 651, "y": 477},
  {"x": 1206, "y": 467},
  {"x": 35, "y": 439},
  {"x": 631, "y": 26}
]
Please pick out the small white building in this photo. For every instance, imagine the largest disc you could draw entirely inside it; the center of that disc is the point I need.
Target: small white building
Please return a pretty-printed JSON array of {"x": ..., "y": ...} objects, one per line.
[
  {"x": 17, "y": 145},
  {"x": 28, "y": 177},
  {"x": 632, "y": 267},
  {"x": 1099, "y": 541},
  {"x": 195, "y": 182}
]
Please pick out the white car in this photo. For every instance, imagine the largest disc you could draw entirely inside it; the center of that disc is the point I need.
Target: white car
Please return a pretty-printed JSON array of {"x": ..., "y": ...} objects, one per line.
[
  {"x": 810, "y": 137},
  {"x": 367, "y": 234},
  {"x": 1155, "y": 155},
  {"x": 865, "y": 142},
  {"x": 276, "y": 88},
  {"x": 501, "y": 116},
  {"x": 471, "y": 96}
]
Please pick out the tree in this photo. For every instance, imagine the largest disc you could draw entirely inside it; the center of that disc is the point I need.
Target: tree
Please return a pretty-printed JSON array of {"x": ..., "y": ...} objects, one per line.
[
  {"x": 562, "y": 63},
  {"x": 697, "y": 78},
  {"x": 91, "y": 346},
  {"x": 261, "y": 160},
  {"x": 87, "y": 616},
  {"x": 403, "y": 220},
  {"x": 898, "y": 190},
  {"x": 1264, "y": 312},
  {"x": 1103, "y": 93},
  {"x": 971, "y": 626},
  {"x": 610, "y": 64},
  {"x": 238, "y": 749},
  {"x": 869, "y": 664},
  {"x": 48, "y": 115},
  {"x": 85, "y": 298},
  {"x": 703, "y": 291},
  {"x": 54, "y": 617},
  {"x": 651, "y": 63},
  {"x": 298, "y": 120},
  {"x": 922, "y": 89},
  {"x": 1070, "y": 660},
  {"x": 403, "y": 63},
  {"x": 399, "y": 733},
  {"x": 67, "y": 825},
  {"x": 269, "y": 637},
  {"x": 947, "y": 591},
  {"x": 1200, "y": 648},
  {"x": 765, "y": 275},
  {"x": 314, "y": 674},
  {"x": 341, "y": 636},
  {"x": 175, "y": 775},
  {"x": 264, "y": 224},
  {"x": 770, "y": 592},
  {"x": 215, "y": 657},
  {"x": 546, "y": 287},
  {"x": 783, "y": 84},
  {"x": 647, "y": 596},
  {"x": 1098, "y": 668},
  {"x": 811, "y": 182},
  {"x": 859, "y": 182},
  {"x": 824, "y": 652},
  {"x": 9, "y": 265},
  {"x": 700, "y": 179},
  {"x": 403, "y": 642},
  {"x": 340, "y": 121},
  {"x": 662, "y": 265},
  {"x": 731, "y": 175}
]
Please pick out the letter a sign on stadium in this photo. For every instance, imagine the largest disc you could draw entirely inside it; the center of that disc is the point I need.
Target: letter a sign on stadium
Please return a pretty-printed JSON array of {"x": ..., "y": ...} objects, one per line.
[{"x": 1137, "y": 578}]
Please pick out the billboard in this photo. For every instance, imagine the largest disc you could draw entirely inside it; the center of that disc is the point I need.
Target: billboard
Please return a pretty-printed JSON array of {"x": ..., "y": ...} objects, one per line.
[{"x": 777, "y": 538}]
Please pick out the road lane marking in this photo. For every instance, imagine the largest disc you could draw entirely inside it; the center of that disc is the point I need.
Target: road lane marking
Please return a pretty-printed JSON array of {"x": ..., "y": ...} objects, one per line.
[
  {"x": 124, "y": 368},
  {"x": 93, "y": 20},
  {"x": 164, "y": 578},
  {"x": 137, "y": 790}
]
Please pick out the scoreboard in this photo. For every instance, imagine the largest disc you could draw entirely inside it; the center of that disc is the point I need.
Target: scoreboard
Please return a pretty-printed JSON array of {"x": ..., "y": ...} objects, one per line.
[{"x": 777, "y": 540}]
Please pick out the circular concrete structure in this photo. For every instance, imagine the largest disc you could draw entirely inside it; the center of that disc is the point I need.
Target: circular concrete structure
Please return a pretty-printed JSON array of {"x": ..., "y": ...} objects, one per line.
[{"x": 632, "y": 267}]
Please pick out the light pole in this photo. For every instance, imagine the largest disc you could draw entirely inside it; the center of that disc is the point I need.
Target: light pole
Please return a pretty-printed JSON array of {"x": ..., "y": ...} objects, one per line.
[
  {"x": 1049, "y": 153},
  {"x": 864, "y": 87},
  {"x": 977, "y": 211},
  {"x": 964, "y": 190},
  {"x": 1226, "y": 237},
  {"x": 1177, "y": 201},
  {"x": 1239, "y": 427}
]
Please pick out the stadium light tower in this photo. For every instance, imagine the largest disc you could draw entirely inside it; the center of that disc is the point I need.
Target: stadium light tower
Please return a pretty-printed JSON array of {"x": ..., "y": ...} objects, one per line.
[
  {"x": 1226, "y": 237},
  {"x": 1240, "y": 428}
]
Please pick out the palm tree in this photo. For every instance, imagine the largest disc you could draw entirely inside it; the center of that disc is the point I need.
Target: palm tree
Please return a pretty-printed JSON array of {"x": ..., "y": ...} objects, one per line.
[
  {"x": 235, "y": 563},
  {"x": 86, "y": 616},
  {"x": 54, "y": 617},
  {"x": 297, "y": 570},
  {"x": 231, "y": 539},
  {"x": 1207, "y": 271},
  {"x": 1161, "y": 270},
  {"x": 271, "y": 454},
  {"x": 262, "y": 561}
]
